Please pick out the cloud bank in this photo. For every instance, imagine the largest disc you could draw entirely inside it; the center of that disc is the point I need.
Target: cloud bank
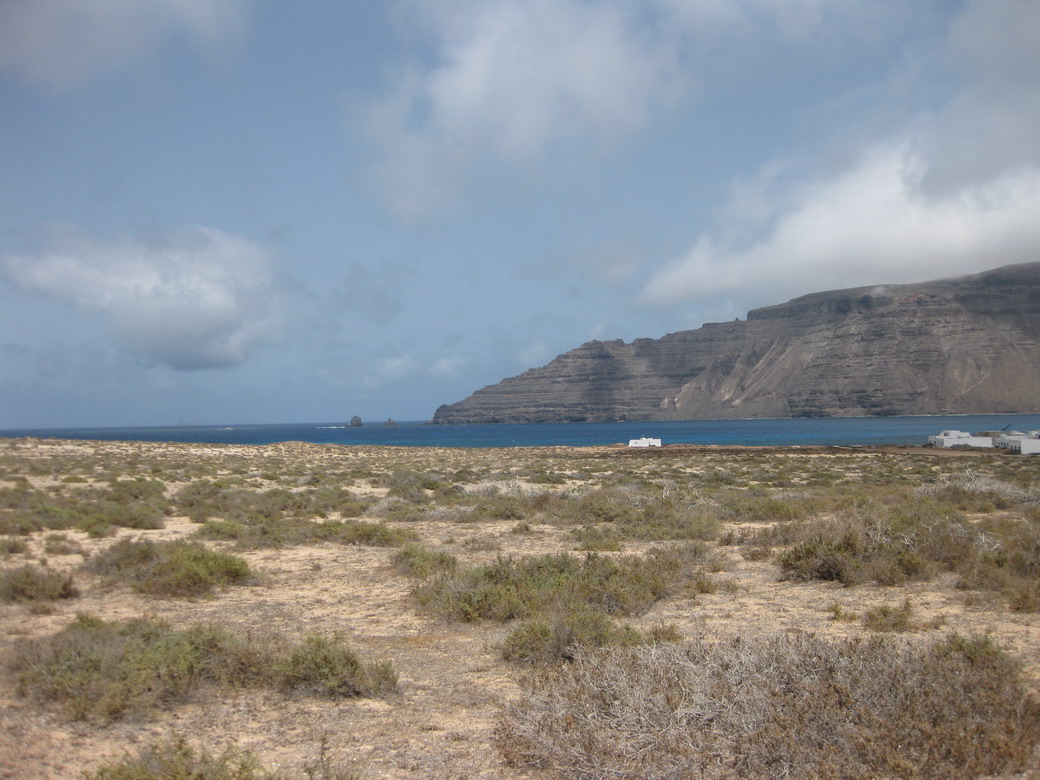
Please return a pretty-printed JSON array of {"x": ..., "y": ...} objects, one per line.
[
  {"x": 872, "y": 223},
  {"x": 193, "y": 298},
  {"x": 64, "y": 43},
  {"x": 510, "y": 81},
  {"x": 957, "y": 190}
]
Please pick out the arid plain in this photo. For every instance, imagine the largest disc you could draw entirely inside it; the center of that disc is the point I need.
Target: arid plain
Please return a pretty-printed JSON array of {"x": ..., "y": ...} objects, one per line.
[{"x": 469, "y": 587}]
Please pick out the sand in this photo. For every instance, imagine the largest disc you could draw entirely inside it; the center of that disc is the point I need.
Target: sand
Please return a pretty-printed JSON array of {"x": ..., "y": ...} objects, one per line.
[{"x": 453, "y": 681}]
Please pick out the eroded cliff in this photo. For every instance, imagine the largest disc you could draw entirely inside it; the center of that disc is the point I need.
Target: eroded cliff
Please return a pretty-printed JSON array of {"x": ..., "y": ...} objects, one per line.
[{"x": 964, "y": 345}]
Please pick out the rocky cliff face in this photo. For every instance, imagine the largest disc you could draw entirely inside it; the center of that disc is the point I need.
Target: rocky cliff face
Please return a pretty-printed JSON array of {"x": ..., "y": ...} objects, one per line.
[{"x": 962, "y": 345}]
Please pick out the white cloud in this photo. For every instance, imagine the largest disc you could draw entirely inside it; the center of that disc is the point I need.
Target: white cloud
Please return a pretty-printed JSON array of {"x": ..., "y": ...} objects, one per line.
[
  {"x": 601, "y": 328},
  {"x": 992, "y": 123},
  {"x": 957, "y": 191},
  {"x": 62, "y": 43},
  {"x": 829, "y": 23},
  {"x": 535, "y": 354},
  {"x": 193, "y": 298},
  {"x": 389, "y": 370},
  {"x": 512, "y": 79},
  {"x": 871, "y": 224},
  {"x": 509, "y": 82},
  {"x": 449, "y": 367}
]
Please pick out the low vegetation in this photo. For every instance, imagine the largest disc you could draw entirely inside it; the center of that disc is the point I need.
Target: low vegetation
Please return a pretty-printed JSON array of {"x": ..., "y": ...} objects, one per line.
[
  {"x": 35, "y": 584},
  {"x": 176, "y": 569},
  {"x": 517, "y": 588},
  {"x": 97, "y": 509},
  {"x": 176, "y": 759},
  {"x": 898, "y": 539},
  {"x": 627, "y": 605},
  {"x": 105, "y": 671},
  {"x": 291, "y": 532},
  {"x": 416, "y": 560},
  {"x": 786, "y": 706},
  {"x": 562, "y": 634},
  {"x": 206, "y": 499}
]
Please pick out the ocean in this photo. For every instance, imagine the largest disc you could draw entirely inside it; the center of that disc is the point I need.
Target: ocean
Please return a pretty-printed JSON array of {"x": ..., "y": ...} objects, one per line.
[{"x": 839, "y": 431}]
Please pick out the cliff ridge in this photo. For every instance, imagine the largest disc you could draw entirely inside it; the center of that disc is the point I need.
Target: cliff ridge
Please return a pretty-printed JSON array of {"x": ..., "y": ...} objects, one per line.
[{"x": 964, "y": 345}]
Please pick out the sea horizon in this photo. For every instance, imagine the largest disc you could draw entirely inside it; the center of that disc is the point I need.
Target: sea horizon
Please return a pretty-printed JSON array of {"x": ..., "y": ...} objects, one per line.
[{"x": 775, "y": 431}]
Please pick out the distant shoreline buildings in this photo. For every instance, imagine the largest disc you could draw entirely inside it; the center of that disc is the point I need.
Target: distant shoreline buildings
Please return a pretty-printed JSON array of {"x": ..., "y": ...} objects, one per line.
[{"x": 1012, "y": 441}]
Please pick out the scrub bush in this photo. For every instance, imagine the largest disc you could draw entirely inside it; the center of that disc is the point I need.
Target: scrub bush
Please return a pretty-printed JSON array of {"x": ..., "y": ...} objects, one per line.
[
  {"x": 784, "y": 706},
  {"x": 106, "y": 671},
  {"x": 509, "y": 588},
  {"x": 32, "y": 583},
  {"x": 175, "y": 569},
  {"x": 421, "y": 562}
]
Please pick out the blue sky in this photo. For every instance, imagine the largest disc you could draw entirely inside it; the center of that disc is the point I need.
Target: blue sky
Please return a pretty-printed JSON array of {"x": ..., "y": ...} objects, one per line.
[{"x": 246, "y": 211}]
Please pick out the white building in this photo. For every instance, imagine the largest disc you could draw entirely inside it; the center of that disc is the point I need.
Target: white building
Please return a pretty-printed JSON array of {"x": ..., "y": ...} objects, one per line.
[
  {"x": 1019, "y": 443},
  {"x": 959, "y": 439},
  {"x": 644, "y": 442}
]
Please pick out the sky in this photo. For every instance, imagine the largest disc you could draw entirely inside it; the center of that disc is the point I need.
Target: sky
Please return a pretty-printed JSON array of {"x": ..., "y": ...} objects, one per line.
[{"x": 251, "y": 211}]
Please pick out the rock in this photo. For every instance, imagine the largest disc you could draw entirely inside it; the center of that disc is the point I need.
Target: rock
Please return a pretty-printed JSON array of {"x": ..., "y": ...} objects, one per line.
[
  {"x": 965, "y": 345},
  {"x": 355, "y": 421}
]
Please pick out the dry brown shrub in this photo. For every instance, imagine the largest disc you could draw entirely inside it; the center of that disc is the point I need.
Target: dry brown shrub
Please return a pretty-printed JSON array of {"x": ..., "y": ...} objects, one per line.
[{"x": 786, "y": 706}]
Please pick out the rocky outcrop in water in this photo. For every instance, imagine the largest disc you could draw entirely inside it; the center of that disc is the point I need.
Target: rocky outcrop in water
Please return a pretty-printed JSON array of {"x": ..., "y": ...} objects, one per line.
[{"x": 965, "y": 345}]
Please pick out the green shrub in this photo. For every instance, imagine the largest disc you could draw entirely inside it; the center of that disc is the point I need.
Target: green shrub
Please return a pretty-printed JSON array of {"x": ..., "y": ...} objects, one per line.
[
  {"x": 12, "y": 545},
  {"x": 202, "y": 500},
  {"x": 59, "y": 544},
  {"x": 128, "y": 504},
  {"x": 558, "y": 636},
  {"x": 520, "y": 588},
  {"x": 891, "y": 543},
  {"x": 421, "y": 562},
  {"x": 32, "y": 583},
  {"x": 175, "y": 759},
  {"x": 409, "y": 485},
  {"x": 886, "y": 618},
  {"x": 840, "y": 614},
  {"x": 289, "y": 532},
  {"x": 784, "y": 706},
  {"x": 597, "y": 538},
  {"x": 106, "y": 671},
  {"x": 176, "y": 569},
  {"x": 326, "y": 667}
]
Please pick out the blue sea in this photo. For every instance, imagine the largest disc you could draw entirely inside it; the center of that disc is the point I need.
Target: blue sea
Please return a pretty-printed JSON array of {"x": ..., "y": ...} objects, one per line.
[{"x": 844, "y": 431}]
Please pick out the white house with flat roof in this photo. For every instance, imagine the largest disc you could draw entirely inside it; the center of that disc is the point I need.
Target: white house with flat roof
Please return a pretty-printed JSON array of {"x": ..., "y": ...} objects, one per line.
[
  {"x": 959, "y": 439},
  {"x": 644, "y": 442},
  {"x": 1019, "y": 443}
]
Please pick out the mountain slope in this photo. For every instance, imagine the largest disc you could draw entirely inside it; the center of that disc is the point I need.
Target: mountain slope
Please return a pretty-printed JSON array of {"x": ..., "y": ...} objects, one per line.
[{"x": 964, "y": 345}]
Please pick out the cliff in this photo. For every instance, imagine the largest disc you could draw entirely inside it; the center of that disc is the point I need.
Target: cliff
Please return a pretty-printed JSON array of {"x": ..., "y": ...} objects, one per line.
[{"x": 965, "y": 345}]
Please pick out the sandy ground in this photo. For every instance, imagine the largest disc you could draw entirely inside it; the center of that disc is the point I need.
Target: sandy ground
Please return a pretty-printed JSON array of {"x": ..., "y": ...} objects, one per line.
[{"x": 452, "y": 680}]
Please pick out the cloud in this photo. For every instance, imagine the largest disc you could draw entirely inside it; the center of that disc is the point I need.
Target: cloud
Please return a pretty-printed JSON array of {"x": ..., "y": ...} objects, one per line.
[
  {"x": 511, "y": 85},
  {"x": 511, "y": 80},
  {"x": 873, "y": 223},
  {"x": 389, "y": 370},
  {"x": 820, "y": 22},
  {"x": 992, "y": 123},
  {"x": 193, "y": 298},
  {"x": 64, "y": 43},
  {"x": 956, "y": 190},
  {"x": 449, "y": 367},
  {"x": 535, "y": 354}
]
